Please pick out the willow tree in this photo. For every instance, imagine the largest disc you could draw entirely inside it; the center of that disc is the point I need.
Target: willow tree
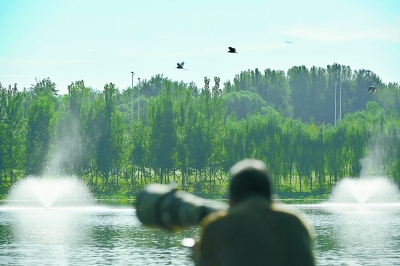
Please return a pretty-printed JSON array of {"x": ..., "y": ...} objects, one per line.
[
  {"x": 39, "y": 127},
  {"x": 2, "y": 152},
  {"x": 108, "y": 146},
  {"x": 139, "y": 152},
  {"x": 184, "y": 101},
  {"x": 11, "y": 117},
  {"x": 162, "y": 133},
  {"x": 299, "y": 84}
]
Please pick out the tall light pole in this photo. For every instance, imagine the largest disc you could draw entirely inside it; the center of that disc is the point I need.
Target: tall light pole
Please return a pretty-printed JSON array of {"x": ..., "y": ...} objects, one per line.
[
  {"x": 340, "y": 99},
  {"x": 138, "y": 103},
  {"x": 132, "y": 99}
]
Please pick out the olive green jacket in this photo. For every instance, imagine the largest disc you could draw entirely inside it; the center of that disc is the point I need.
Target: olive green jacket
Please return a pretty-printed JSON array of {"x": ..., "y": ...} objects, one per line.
[{"x": 255, "y": 232}]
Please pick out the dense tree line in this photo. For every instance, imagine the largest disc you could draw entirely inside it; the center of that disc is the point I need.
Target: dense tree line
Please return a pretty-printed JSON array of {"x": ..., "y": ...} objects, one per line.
[{"x": 118, "y": 142}]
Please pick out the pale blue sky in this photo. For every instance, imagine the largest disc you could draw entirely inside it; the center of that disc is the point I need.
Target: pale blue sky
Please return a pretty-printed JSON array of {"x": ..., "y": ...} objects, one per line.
[{"x": 102, "y": 41}]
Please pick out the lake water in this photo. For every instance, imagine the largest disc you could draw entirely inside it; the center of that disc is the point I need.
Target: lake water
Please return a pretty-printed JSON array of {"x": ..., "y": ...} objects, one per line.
[{"x": 112, "y": 235}]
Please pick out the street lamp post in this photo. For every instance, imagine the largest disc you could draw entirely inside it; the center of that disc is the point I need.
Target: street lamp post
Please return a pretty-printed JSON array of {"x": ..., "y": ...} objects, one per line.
[
  {"x": 132, "y": 99},
  {"x": 138, "y": 103},
  {"x": 340, "y": 98}
]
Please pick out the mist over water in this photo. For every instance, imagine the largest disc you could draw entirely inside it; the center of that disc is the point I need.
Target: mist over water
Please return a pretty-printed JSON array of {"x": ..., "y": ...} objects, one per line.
[
  {"x": 378, "y": 149},
  {"x": 60, "y": 191},
  {"x": 54, "y": 188},
  {"x": 372, "y": 187},
  {"x": 67, "y": 152},
  {"x": 365, "y": 190}
]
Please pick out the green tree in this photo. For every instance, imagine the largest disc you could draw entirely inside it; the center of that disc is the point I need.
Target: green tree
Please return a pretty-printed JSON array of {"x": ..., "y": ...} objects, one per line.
[
  {"x": 104, "y": 145},
  {"x": 243, "y": 103},
  {"x": 182, "y": 121},
  {"x": 44, "y": 86},
  {"x": 139, "y": 151},
  {"x": 160, "y": 117},
  {"x": 11, "y": 116},
  {"x": 299, "y": 84},
  {"x": 69, "y": 142},
  {"x": 39, "y": 127}
]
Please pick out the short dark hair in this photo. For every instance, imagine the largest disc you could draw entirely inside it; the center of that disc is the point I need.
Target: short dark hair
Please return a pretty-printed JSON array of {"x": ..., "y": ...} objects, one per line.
[{"x": 248, "y": 178}]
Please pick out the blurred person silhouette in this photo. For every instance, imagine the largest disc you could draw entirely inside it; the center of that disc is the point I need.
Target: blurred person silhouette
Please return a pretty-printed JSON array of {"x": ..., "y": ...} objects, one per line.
[{"x": 254, "y": 230}]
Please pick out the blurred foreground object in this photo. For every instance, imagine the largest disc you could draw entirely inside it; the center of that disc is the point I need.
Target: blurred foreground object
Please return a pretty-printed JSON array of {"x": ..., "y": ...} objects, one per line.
[
  {"x": 162, "y": 206},
  {"x": 255, "y": 230}
]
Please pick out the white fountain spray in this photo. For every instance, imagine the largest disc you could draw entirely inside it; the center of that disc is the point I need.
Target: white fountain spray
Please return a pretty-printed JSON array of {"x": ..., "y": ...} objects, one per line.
[
  {"x": 62, "y": 191},
  {"x": 372, "y": 186},
  {"x": 52, "y": 189}
]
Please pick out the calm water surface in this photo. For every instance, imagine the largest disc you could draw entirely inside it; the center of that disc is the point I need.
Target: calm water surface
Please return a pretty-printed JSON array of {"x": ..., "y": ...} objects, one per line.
[
  {"x": 355, "y": 234},
  {"x": 112, "y": 235}
]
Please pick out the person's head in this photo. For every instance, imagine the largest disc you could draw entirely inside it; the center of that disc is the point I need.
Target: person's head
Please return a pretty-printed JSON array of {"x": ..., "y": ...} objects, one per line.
[{"x": 249, "y": 178}]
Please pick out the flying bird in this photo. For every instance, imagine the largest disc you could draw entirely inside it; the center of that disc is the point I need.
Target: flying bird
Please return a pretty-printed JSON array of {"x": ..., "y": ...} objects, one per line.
[
  {"x": 372, "y": 89},
  {"x": 287, "y": 42},
  {"x": 232, "y": 50},
  {"x": 180, "y": 66},
  {"x": 365, "y": 71}
]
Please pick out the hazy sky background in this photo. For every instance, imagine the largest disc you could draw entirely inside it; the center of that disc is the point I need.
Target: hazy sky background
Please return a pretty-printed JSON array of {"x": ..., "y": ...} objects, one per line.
[{"x": 102, "y": 41}]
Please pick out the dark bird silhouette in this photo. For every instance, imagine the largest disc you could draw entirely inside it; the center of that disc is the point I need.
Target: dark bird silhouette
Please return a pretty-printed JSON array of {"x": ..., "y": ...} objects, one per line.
[
  {"x": 372, "y": 89},
  {"x": 232, "y": 50},
  {"x": 180, "y": 66}
]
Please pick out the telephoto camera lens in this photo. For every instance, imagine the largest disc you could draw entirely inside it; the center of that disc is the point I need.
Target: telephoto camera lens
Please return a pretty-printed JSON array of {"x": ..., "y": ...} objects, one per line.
[{"x": 164, "y": 207}]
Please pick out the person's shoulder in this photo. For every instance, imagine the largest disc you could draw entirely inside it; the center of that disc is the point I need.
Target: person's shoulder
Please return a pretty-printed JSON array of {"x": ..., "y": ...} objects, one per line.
[
  {"x": 213, "y": 217},
  {"x": 291, "y": 215}
]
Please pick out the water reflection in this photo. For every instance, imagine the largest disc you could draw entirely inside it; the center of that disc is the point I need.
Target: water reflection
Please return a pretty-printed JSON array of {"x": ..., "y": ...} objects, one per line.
[
  {"x": 89, "y": 236},
  {"x": 111, "y": 235},
  {"x": 355, "y": 235}
]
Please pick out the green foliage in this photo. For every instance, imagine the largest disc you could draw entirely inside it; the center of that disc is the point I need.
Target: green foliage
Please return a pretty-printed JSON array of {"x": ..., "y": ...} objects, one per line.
[
  {"x": 39, "y": 128},
  {"x": 12, "y": 131},
  {"x": 192, "y": 136},
  {"x": 44, "y": 86},
  {"x": 272, "y": 87},
  {"x": 162, "y": 131},
  {"x": 244, "y": 102}
]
